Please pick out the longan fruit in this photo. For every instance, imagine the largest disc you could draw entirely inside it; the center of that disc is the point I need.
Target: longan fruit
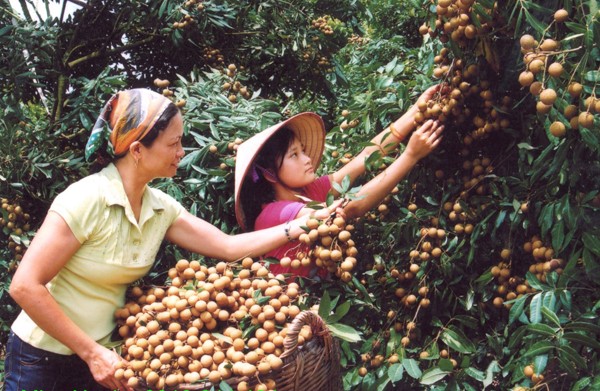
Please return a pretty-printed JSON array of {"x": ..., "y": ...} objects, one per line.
[
  {"x": 548, "y": 96},
  {"x": 555, "y": 69},
  {"x": 558, "y": 129},
  {"x": 561, "y": 15}
]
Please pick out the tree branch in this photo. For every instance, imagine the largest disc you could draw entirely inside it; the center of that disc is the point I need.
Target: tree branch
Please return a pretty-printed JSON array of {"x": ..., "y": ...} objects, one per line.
[{"x": 98, "y": 53}]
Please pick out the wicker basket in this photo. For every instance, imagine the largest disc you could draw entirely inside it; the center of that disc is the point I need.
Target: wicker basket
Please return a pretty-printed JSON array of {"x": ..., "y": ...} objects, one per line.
[{"x": 312, "y": 366}]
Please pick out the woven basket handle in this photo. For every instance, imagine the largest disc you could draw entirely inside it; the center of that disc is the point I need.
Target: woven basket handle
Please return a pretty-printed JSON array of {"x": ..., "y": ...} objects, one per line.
[{"x": 317, "y": 326}]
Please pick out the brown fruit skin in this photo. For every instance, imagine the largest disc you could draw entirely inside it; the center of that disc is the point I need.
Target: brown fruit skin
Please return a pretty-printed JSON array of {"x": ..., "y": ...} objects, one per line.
[
  {"x": 575, "y": 89},
  {"x": 526, "y": 78},
  {"x": 571, "y": 111},
  {"x": 558, "y": 129},
  {"x": 549, "y": 45},
  {"x": 543, "y": 108},
  {"x": 561, "y": 15},
  {"x": 527, "y": 41},
  {"x": 555, "y": 69},
  {"x": 548, "y": 96},
  {"x": 586, "y": 119}
]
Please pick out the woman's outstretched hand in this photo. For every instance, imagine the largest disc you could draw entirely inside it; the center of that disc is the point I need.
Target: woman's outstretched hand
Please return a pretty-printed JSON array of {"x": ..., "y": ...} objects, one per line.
[
  {"x": 431, "y": 92},
  {"x": 424, "y": 140}
]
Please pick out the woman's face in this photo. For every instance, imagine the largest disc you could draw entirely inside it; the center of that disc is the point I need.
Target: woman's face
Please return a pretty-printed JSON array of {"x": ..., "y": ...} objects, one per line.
[
  {"x": 163, "y": 156},
  {"x": 296, "y": 170}
]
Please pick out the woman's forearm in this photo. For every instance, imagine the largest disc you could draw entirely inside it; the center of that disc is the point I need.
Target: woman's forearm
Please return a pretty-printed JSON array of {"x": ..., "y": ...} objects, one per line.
[{"x": 378, "y": 188}]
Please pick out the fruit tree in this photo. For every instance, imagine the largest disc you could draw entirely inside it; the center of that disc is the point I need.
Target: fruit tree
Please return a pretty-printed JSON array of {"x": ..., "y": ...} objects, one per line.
[{"x": 479, "y": 271}]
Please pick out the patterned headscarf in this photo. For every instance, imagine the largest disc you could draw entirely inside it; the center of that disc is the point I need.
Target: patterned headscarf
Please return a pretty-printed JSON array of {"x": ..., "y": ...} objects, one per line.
[{"x": 127, "y": 117}]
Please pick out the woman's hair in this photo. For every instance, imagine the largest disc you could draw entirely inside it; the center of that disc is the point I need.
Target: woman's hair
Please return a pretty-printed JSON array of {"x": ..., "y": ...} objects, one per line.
[
  {"x": 160, "y": 125},
  {"x": 103, "y": 158},
  {"x": 270, "y": 157}
]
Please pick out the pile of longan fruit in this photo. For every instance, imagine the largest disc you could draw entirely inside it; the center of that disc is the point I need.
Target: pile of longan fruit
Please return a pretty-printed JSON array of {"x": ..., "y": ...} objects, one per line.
[
  {"x": 14, "y": 222},
  {"x": 207, "y": 325},
  {"x": 327, "y": 244},
  {"x": 540, "y": 60}
]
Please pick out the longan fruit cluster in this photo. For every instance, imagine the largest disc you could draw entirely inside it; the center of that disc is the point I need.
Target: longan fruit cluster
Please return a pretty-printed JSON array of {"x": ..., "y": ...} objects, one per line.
[
  {"x": 327, "y": 244},
  {"x": 164, "y": 85},
  {"x": 213, "y": 56},
  {"x": 187, "y": 20},
  {"x": 463, "y": 82},
  {"x": 194, "y": 3},
  {"x": 346, "y": 123},
  {"x": 233, "y": 88},
  {"x": 454, "y": 22},
  {"x": 14, "y": 222},
  {"x": 313, "y": 58},
  {"x": 462, "y": 217},
  {"x": 358, "y": 40},
  {"x": 322, "y": 23},
  {"x": 429, "y": 246},
  {"x": 475, "y": 172},
  {"x": 544, "y": 257},
  {"x": 529, "y": 371},
  {"x": 209, "y": 324},
  {"x": 508, "y": 287},
  {"x": 383, "y": 208},
  {"x": 542, "y": 62}
]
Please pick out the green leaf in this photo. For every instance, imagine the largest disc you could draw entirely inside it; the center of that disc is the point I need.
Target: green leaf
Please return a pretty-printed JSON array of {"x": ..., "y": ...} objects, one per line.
[
  {"x": 593, "y": 76},
  {"x": 583, "y": 326},
  {"x": 558, "y": 235},
  {"x": 340, "y": 312},
  {"x": 582, "y": 384},
  {"x": 457, "y": 340},
  {"x": 542, "y": 329},
  {"x": 582, "y": 339},
  {"x": 325, "y": 306},
  {"x": 490, "y": 373},
  {"x": 548, "y": 313},
  {"x": 538, "y": 348},
  {"x": 517, "y": 309},
  {"x": 535, "y": 308},
  {"x": 344, "y": 332},
  {"x": 445, "y": 365},
  {"x": 365, "y": 295},
  {"x": 395, "y": 372},
  {"x": 412, "y": 368},
  {"x": 224, "y": 386},
  {"x": 591, "y": 243},
  {"x": 572, "y": 355},
  {"x": 475, "y": 373},
  {"x": 432, "y": 376}
]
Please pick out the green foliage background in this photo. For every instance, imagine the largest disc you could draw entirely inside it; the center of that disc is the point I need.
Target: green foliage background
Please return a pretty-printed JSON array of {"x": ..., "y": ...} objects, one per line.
[{"x": 56, "y": 74}]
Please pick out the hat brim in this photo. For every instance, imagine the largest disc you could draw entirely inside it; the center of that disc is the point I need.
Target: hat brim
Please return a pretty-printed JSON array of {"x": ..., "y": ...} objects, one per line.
[{"x": 308, "y": 128}]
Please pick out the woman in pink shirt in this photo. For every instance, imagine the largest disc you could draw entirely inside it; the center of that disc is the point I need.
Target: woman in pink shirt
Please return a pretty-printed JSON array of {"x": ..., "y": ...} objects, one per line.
[{"x": 275, "y": 175}]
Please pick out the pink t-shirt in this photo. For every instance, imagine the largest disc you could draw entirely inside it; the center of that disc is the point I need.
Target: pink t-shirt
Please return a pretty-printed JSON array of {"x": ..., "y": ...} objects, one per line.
[{"x": 279, "y": 212}]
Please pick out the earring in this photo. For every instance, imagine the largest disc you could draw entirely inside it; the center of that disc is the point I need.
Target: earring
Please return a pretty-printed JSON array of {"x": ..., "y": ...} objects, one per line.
[{"x": 136, "y": 163}]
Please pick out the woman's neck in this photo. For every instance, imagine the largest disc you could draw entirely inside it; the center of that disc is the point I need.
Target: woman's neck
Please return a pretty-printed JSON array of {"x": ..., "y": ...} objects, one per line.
[{"x": 134, "y": 184}]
